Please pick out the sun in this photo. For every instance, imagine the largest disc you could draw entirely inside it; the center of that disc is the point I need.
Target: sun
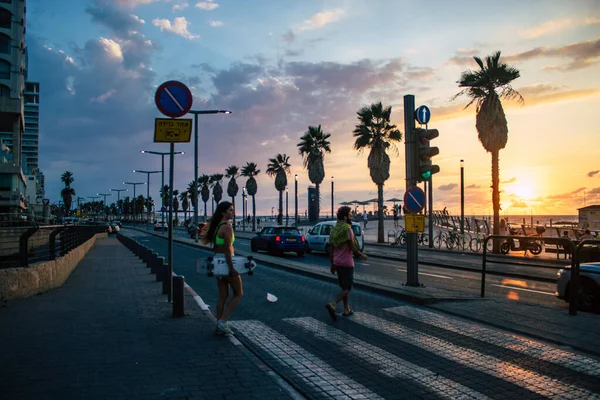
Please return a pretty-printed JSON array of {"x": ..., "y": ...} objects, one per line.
[{"x": 524, "y": 190}]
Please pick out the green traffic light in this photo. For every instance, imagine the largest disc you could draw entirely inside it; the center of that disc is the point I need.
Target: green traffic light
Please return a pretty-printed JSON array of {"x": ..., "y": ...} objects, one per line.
[{"x": 426, "y": 175}]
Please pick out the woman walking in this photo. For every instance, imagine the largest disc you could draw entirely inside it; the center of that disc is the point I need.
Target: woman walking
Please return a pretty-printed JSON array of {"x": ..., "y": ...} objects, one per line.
[{"x": 220, "y": 235}]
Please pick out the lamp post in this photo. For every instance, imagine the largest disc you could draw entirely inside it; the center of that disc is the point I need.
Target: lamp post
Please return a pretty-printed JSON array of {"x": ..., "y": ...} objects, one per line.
[
  {"x": 244, "y": 209},
  {"x": 134, "y": 199},
  {"x": 94, "y": 198},
  {"x": 104, "y": 202},
  {"x": 286, "y": 207},
  {"x": 462, "y": 196},
  {"x": 162, "y": 154},
  {"x": 272, "y": 213},
  {"x": 196, "y": 113},
  {"x": 118, "y": 197},
  {"x": 332, "y": 210},
  {"x": 148, "y": 193},
  {"x": 296, "y": 200}
]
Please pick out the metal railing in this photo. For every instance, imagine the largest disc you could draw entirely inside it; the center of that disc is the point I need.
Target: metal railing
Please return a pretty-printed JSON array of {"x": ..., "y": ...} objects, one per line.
[
  {"x": 567, "y": 245},
  {"x": 23, "y": 246}
]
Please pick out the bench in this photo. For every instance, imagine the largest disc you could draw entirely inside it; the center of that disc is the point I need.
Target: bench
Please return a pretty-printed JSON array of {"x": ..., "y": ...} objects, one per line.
[{"x": 556, "y": 245}]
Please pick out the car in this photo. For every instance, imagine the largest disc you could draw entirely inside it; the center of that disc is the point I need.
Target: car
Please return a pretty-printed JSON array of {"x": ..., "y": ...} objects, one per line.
[
  {"x": 161, "y": 226},
  {"x": 317, "y": 238},
  {"x": 278, "y": 240},
  {"x": 192, "y": 228},
  {"x": 115, "y": 226},
  {"x": 588, "y": 298}
]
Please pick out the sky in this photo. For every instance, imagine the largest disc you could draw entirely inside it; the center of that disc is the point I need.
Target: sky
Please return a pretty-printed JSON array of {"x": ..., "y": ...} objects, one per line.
[{"x": 281, "y": 66}]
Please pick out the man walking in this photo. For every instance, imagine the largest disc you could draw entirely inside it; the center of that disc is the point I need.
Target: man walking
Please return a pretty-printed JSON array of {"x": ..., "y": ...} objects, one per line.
[{"x": 342, "y": 249}]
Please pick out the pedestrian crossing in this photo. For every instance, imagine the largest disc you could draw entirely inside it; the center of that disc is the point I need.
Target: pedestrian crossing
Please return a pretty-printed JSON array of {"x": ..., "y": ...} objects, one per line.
[{"x": 384, "y": 353}]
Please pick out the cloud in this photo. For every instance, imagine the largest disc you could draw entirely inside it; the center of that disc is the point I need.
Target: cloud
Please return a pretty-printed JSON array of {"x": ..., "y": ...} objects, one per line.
[
  {"x": 321, "y": 19},
  {"x": 134, "y": 3},
  {"x": 593, "y": 173},
  {"x": 519, "y": 204},
  {"x": 581, "y": 55},
  {"x": 450, "y": 186},
  {"x": 594, "y": 191},
  {"x": 215, "y": 24},
  {"x": 511, "y": 180},
  {"x": 180, "y": 7},
  {"x": 558, "y": 25},
  {"x": 179, "y": 26},
  {"x": 207, "y": 5},
  {"x": 473, "y": 186},
  {"x": 117, "y": 20},
  {"x": 103, "y": 97},
  {"x": 289, "y": 36}
]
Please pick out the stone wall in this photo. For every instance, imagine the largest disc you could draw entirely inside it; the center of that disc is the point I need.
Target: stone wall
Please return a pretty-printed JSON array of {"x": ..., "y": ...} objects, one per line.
[{"x": 22, "y": 282}]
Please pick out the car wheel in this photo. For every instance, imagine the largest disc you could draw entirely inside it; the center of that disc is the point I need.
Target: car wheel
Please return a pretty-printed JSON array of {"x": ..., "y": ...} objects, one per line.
[
  {"x": 505, "y": 248},
  {"x": 307, "y": 248},
  {"x": 253, "y": 247},
  {"x": 300, "y": 253},
  {"x": 536, "y": 249},
  {"x": 588, "y": 298}
]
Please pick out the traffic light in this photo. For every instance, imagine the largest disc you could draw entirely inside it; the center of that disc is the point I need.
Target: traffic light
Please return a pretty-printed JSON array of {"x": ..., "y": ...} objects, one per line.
[{"x": 425, "y": 152}]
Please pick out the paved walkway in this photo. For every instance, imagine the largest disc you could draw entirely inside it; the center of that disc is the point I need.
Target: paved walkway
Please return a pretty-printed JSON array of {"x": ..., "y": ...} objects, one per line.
[{"x": 108, "y": 333}]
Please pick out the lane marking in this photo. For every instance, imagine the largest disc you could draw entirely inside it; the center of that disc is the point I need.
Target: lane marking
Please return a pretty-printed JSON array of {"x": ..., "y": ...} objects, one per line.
[
  {"x": 529, "y": 347},
  {"x": 388, "y": 364},
  {"x": 309, "y": 369},
  {"x": 489, "y": 365},
  {"x": 428, "y": 274},
  {"x": 523, "y": 289},
  {"x": 167, "y": 91}
]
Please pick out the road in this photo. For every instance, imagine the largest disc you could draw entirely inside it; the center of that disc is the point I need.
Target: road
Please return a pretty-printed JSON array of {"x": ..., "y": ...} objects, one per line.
[
  {"x": 451, "y": 271},
  {"x": 388, "y": 348}
]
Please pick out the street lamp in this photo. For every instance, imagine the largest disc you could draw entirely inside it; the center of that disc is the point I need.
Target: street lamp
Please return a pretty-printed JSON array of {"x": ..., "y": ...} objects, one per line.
[
  {"x": 462, "y": 196},
  {"x": 244, "y": 209},
  {"x": 134, "y": 199},
  {"x": 286, "y": 207},
  {"x": 104, "y": 202},
  {"x": 148, "y": 193},
  {"x": 118, "y": 197},
  {"x": 332, "y": 210},
  {"x": 162, "y": 154},
  {"x": 296, "y": 200},
  {"x": 196, "y": 113},
  {"x": 94, "y": 198}
]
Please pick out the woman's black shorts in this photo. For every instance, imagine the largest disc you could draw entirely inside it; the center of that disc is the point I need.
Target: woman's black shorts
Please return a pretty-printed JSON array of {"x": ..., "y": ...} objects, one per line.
[{"x": 345, "y": 277}]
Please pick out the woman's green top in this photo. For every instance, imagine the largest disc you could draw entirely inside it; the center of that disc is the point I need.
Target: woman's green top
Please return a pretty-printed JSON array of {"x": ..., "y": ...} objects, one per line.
[{"x": 220, "y": 241}]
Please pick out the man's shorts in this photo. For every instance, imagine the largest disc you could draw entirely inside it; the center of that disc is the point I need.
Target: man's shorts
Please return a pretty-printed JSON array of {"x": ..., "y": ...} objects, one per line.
[{"x": 345, "y": 277}]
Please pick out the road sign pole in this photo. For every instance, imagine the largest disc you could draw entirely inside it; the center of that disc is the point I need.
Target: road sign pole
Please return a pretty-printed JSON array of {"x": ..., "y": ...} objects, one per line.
[
  {"x": 196, "y": 177},
  {"x": 170, "y": 250},
  {"x": 430, "y": 208},
  {"x": 412, "y": 256}
]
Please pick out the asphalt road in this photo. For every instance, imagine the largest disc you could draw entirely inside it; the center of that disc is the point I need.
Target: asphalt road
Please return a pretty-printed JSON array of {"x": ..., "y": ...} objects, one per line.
[{"x": 388, "y": 348}]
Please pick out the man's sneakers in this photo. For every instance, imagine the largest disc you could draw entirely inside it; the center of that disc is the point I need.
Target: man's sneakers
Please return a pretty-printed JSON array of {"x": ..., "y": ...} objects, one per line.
[{"x": 223, "y": 328}]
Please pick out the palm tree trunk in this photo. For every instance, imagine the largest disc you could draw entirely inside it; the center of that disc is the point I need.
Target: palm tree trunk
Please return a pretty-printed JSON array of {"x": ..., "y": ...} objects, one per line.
[
  {"x": 205, "y": 217},
  {"x": 318, "y": 196},
  {"x": 253, "y": 214},
  {"x": 280, "y": 215},
  {"x": 496, "y": 197},
  {"x": 380, "y": 227}
]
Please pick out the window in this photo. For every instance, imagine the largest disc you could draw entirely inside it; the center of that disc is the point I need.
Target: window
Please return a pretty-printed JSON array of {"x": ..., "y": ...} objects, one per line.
[
  {"x": 4, "y": 44},
  {"x": 4, "y": 69},
  {"x": 4, "y": 91},
  {"x": 5, "y": 16}
]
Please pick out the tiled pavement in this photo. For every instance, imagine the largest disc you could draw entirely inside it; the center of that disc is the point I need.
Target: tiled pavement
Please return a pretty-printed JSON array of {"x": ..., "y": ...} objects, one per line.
[{"x": 107, "y": 333}]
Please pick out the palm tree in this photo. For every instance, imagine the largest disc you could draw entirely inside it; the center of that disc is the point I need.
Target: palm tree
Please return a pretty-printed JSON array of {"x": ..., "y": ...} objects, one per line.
[
  {"x": 375, "y": 132},
  {"x": 184, "y": 197},
  {"x": 203, "y": 182},
  {"x": 67, "y": 178},
  {"x": 279, "y": 167},
  {"x": 127, "y": 205},
  {"x": 139, "y": 206},
  {"x": 192, "y": 194},
  {"x": 232, "y": 172},
  {"x": 312, "y": 146},
  {"x": 250, "y": 170},
  {"x": 175, "y": 205},
  {"x": 67, "y": 195},
  {"x": 490, "y": 121},
  {"x": 217, "y": 188}
]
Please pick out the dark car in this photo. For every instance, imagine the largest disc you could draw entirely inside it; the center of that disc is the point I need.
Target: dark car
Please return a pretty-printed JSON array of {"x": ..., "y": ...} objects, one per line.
[
  {"x": 278, "y": 240},
  {"x": 192, "y": 228}
]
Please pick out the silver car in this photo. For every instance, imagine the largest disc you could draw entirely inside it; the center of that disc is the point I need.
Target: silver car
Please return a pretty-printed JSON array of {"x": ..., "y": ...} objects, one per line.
[
  {"x": 589, "y": 282},
  {"x": 317, "y": 239}
]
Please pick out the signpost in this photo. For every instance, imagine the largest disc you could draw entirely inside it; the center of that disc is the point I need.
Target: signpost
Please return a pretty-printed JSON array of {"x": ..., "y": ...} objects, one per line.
[
  {"x": 174, "y": 100},
  {"x": 414, "y": 223}
]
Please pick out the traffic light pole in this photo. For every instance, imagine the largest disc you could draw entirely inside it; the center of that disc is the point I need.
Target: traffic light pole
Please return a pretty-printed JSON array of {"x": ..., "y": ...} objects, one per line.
[{"x": 412, "y": 169}]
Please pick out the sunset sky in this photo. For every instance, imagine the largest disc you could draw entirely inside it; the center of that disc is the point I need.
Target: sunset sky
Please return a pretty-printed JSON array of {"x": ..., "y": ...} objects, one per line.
[{"x": 281, "y": 66}]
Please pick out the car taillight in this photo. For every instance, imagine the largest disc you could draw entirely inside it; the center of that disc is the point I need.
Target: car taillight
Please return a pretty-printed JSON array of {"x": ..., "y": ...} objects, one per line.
[
  {"x": 302, "y": 239},
  {"x": 278, "y": 239}
]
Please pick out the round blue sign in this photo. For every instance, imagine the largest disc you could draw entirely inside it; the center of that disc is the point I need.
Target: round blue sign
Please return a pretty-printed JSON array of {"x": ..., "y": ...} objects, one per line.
[
  {"x": 414, "y": 199},
  {"x": 422, "y": 115},
  {"x": 173, "y": 99}
]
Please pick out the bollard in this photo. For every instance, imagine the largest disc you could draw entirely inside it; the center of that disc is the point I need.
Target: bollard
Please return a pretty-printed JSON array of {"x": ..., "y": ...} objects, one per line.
[
  {"x": 153, "y": 262},
  {"x": 178, "y": 291},
  {"x": 160, "y": 267},
  {"x": 148, "y": 257},
  {"x": 166, "y": 281}
]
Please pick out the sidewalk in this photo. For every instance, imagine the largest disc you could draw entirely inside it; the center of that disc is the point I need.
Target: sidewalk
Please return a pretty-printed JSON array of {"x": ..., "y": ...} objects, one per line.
[
  {"x": 580, "y": 332},
  {"x": 108, "y": 333}
]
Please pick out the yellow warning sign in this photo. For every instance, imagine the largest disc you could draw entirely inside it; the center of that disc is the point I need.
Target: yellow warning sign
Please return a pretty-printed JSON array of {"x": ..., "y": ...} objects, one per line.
[
  {"x": 414, "y": 223},
  {"x": 167, "y": 130}
]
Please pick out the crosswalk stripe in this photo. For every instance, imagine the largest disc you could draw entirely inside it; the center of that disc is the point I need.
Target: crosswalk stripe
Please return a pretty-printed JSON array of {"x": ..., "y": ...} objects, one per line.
[
  {"x": 531, "y": 348},
  {"x": 311, "y": 369},
  {"x": 389, "y": 364},
  {"x": 489, "y": 365}
]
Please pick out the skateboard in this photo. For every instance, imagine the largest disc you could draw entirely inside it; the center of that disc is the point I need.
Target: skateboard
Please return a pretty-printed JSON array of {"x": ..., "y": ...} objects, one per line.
[{"x": 217, "y": 266}]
